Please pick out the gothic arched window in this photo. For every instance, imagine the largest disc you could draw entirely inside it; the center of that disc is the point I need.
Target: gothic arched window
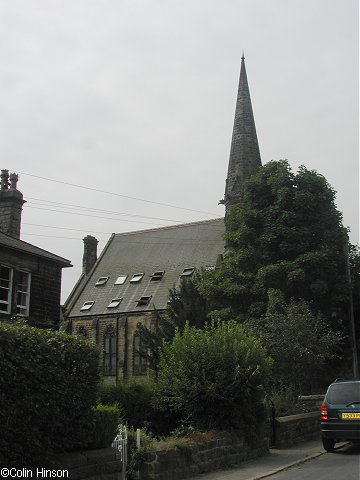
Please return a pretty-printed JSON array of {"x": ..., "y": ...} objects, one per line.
[
  {"x": 139, "y": 367},
  {"x": 110, "y": 351},
  {"x": 82, "y": 331}
]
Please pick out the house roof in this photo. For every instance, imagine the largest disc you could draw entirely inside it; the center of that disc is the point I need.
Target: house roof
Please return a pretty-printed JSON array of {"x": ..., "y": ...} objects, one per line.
[
  {"x": 19, "y": 245},
  {"x": 168, "y": 249}
]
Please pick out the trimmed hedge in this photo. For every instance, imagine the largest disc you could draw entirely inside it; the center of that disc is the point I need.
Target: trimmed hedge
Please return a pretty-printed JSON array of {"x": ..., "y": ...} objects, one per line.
[
  {"x": 48, "y": 388},
  {"x": 106, "y": 421}
]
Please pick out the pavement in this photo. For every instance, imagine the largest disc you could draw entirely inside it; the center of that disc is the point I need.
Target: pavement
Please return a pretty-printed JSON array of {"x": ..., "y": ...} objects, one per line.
[{"x": 274, "y": 462}]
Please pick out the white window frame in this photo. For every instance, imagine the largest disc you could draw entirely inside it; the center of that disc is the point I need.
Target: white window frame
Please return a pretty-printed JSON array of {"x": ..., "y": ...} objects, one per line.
[
  {"x": 101, "y": 281},
  {"x": 187, "y": 272},
  {"x": 87, "y": 305},
  {"x": 10, "y": 290},
  {"x": 115, "y": 302},
  {"x": 121, "y": 279},
  {"x": 25, "y": 307},
  {"x": 137, "y": 277}
]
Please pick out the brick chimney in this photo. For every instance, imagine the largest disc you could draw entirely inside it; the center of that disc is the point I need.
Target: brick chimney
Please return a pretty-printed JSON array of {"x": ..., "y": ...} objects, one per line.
[
  {"x": 11, "y": 202},
  {"x": 90, "y": 253}
]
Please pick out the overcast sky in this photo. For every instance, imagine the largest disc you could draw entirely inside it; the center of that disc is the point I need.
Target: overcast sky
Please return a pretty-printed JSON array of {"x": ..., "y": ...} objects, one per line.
[{"x": 137, "y": 98}]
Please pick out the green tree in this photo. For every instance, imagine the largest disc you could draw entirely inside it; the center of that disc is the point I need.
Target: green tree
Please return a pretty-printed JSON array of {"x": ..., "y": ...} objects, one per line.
[
  {"x": 302, "y": 346},
  {"x": 185, "y": 305},
  {"x": 284, "y": 242},
  {"x": 214, "y": 378}
]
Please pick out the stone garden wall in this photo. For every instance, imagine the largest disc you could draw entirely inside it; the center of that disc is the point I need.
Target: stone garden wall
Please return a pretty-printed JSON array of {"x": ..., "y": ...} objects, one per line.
[
  {"x": 296, "y": 428},
  {"x": 191, "y": 459}
]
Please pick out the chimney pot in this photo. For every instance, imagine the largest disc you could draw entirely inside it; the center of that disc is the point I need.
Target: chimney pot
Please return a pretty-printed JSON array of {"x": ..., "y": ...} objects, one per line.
[
  {"x": 4, "y": 179},
  {"x": 14, "y": 177}
]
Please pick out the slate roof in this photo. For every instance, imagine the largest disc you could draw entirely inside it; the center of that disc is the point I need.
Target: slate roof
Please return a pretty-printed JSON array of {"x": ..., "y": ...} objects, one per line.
[
  {"x": 168, "y": 249},
  {"x": 20, "y": 245}
]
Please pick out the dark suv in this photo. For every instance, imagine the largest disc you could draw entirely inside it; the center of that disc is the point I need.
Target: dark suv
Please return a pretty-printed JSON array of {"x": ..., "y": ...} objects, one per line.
[{"x": 340, "y": 413}]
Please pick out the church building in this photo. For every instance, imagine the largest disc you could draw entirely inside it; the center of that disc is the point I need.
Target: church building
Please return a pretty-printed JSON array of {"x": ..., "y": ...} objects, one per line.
[{"x": 135, "y": 271}]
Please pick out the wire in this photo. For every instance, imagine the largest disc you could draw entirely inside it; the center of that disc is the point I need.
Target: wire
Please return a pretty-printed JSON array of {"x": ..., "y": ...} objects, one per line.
[
  {"x": 115, "y": 194},
  {"x": 97, "y": 216},
  {"x": 66, "y": 205}
]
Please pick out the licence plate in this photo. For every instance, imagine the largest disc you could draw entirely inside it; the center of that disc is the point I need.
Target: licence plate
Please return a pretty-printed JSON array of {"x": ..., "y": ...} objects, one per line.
[{"x": 350, "y": 416}]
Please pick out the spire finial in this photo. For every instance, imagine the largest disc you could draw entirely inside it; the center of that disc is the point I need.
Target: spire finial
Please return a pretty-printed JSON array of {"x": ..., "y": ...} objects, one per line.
[{"x": 243, "y": 57}]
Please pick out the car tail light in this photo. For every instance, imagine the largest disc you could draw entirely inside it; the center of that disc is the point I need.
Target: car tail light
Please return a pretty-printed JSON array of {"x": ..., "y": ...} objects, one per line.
[{"x": 324, "y": 412}]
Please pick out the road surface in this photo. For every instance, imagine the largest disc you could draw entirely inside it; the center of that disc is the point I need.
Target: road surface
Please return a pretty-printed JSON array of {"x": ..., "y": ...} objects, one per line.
[{"x": 343, "y": 464}]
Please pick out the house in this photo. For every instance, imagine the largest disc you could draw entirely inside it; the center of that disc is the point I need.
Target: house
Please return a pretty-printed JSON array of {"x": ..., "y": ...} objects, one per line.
[
  {"x": 132, "y": 276},
  {"x": 30, "y": 277}
]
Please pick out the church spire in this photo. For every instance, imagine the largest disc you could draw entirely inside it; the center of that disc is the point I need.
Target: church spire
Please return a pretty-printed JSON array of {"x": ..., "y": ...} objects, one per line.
[{"x": 244, "y": 158}]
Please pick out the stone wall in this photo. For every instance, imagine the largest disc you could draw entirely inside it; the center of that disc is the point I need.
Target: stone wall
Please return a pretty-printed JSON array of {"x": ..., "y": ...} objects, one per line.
[
  {"x": 102, "y": 464},
  {"x": 296, "y": 428},
  {"x": 185, "y": 461}
]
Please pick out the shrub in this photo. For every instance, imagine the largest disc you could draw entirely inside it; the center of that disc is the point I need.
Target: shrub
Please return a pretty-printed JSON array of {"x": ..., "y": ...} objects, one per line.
[
  {"x": 214, "y": 378},
  {"x": 48, "y": 387},
  {"x": 106, "y": 421},
  {"x": 134, "y": 397}
]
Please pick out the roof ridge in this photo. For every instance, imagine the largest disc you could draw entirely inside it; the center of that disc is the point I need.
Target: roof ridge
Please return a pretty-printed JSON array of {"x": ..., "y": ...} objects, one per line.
[{"x": 169, "y": 227}]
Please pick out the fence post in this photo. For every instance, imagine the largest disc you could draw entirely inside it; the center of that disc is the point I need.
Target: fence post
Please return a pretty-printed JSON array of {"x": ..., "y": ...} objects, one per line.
[{"x": 138, "y": 438}]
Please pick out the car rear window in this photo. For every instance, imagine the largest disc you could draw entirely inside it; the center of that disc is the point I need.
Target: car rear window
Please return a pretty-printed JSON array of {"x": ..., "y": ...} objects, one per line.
[{"x": 343, "y": 393}]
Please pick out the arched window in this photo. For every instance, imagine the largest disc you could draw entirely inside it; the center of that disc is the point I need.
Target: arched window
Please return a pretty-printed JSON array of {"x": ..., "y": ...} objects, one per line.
[
  {"x": 110, "y": 351},
  {"x": 139, "y": 367},
  {"x": 82, "y": 331}
]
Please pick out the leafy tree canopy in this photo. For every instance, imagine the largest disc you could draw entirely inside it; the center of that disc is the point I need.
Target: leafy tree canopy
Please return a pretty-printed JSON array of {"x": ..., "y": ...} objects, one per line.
[
  {"x": 302, "y": 346},
  {"x": 185, "y": 305},
  {"x": 285, "y": 241}
]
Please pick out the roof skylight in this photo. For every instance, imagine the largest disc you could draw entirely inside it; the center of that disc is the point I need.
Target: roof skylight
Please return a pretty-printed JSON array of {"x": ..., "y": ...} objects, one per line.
[
  {"x": 87, "y": 305},
  {"x": 187, "y": 272},
  {"x": 101, "y": 281},
  {"x": 115, "y": 302},
  {"x": 137, "y": 278},
  {"x": 121, "y": 279},
  {"x": 143, "y": 301},
  {"x": 157, "y": 276}
]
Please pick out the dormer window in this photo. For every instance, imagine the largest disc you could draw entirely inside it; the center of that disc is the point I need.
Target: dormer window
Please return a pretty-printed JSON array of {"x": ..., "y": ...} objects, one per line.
[
  {"x": 137, "y": 278},
  {"x": 114, "y": 303},
  {"x": 121, "y": 279},
  {"x": 101, "y": 281},
  {"x": 87, "y": 305},
  {"x": 143, "y": 301},
  {"x": 157, "y": 276},
  {"x": 187, "y": 272}
]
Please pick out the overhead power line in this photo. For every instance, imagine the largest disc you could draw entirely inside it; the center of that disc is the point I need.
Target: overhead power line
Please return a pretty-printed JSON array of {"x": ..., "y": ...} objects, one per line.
[
  {"x": 92, "y": 209},
  {"x": 115, "y": 194}
]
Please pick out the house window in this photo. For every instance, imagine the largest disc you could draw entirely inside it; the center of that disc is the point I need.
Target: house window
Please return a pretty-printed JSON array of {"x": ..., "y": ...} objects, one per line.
[
  {"x": 139, "y": 367},
  {"x": 121, "y": 279},
  {"x": 87, "y": 305},
  {"x": 6, "y": 275},
  {"x": 143, "y": 301},
  {"x": 101, "y": 281},
  {"x": 137, "y": 278},
  {"x": 23, "y": 293},
  {"x": 82, "y": 331},
  {"x": 157, "y": 276},
  {"x": 114, "y": 303},
  {"x": 110, "y": 352},
  {"x": 187, "y": 272}
]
